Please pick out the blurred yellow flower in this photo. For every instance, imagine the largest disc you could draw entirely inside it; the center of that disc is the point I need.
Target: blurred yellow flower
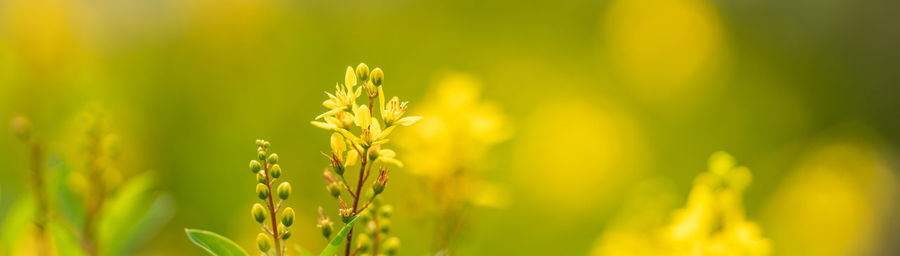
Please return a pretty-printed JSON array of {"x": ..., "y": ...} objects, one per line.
[
  {"x": 711, "y": 223},
  {"x": 835, "y": 202},
  {"x": 447, "y": 152},
  {"x": 663, "y": 48}
]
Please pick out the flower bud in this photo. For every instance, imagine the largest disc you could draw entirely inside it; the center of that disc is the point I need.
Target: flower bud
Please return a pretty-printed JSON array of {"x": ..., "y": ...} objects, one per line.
[
  {"x": 262, "y": 191},
  {"x": 384, "y": 225},
  {"x": 275, "y": 171},
  {"x": 261, "y": 177},
  {"x": 255, "y": 166},
  {"x": 377, "y": 76},
  {"x": 326, "y": 228},
  {"x": 273, "y": 159},
  {"x": 364, "y": 243},
  {"x": 287, "y": 216},
  {"x": 386, "y": 211},
  {"x": 391, "y": 245},
  {"x": 261, "y": 154},
  {"x": 324, "y": 223},
  {"x": 378, "y": 187},
  {"x": 21, "y": 127},
  {"x": 334, "y": 189},
  {"x": 263, "y": 242},
  {"x": 345, "y": 212},
  {"x": 336, "y": 164},
  {"x": 259, "y": 213},
  {"x": 362, "y": 72},
  {"x": 286, "y": 234},
  {"x": 266, "y": 144},
  {"x": 284, "y": 190},
  {"x": 260, "y": 143}
]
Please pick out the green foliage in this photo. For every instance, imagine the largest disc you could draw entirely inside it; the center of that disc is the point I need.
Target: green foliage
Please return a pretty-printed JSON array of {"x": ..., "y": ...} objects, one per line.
[
  {"x": 132, "y": 214},
  {"x": 214, "y": 243},
  {"x": 15, "y": 224},
  {"x": 336, "y": 242}
]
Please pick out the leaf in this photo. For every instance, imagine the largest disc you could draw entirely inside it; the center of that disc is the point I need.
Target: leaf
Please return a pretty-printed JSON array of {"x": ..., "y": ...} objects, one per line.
[
  {"x": 214, "y": 243},
  {"x": 132, "y": 215},
  {"x": 123, "y": 212},
  {"x": 335, "y": 243},
  {"x": 64, "y": 240},
  {"x": 17, "y": 221},
  {"x": 303, "y": 252}
]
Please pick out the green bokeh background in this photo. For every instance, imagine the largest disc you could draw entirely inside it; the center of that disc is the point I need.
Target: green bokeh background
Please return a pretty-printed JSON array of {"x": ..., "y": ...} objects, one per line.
[{"x": 190, "y": 85}]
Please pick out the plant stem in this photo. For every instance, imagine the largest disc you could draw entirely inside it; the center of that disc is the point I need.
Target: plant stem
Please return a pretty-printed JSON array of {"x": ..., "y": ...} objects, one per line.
[
  {"x": 40, "y": 192},
  {"x": 362, "y": 169},
  {"x": 272, "y": 210},
  {"x": 96, "y": 198}
]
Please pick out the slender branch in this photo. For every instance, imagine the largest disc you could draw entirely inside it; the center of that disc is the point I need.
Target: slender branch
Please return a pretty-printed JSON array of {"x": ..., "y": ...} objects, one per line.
[
  {"x": 359, "y": 184},
  {"x": 272, "y": 210}
]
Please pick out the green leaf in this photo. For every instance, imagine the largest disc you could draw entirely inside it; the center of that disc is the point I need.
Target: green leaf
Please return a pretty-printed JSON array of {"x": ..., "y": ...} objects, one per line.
[
  {"x": 303, "y": 252},
  {"x": 132, "y": 215},
  {"x": 214, "y": 243},
  {"x": 17, "y": 221},
  {"x": 65, "y": 240},
  {"x": 335, "y": 243}
]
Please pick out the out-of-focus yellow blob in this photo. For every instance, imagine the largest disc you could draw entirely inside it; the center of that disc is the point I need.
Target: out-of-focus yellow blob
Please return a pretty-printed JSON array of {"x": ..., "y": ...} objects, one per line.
[
  {"x": 833, "y": 203},
  {"x": 456, "y": 130},
  {"x": 662, "y": 47},
  {"x": 43, "y": 33},
  {"x": 576, "y": 154},
  {"x": 711, "y": 223},
  {"x": 230, "y": 30}
]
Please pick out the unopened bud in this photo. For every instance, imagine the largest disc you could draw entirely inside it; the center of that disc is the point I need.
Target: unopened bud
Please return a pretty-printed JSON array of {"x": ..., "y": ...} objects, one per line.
[
  {"x": 284, "y": 190},
  {"x": 364, "y": 243},
  {"x": 386, "y": 211},
  {"x": 262, "y": 191},
  {"x": 263, "y": 242},
  {"x": 261, "y": 177},
  {"x": 391, "y": 245},
  {"x": 273, "y": 159},
  {"x": 377, "y": 76},
  {"x": 334, "y": 189},
  {"x": 21, "y": 127},
  {"x": 287, "y": 216},
  {"x": 259, "y": 213},
  {"x": 286, "y": 234},
  {"x": 255, "y": 166},
  {"x": 362, "y": 72},
  {"x": 324, "y": 223},
  {"x": 384, "y": 225},
  {"x": 266, "y": 144},
  {"x": 378, "y": 187},
  {"x": 275, "y": 171},
  {"x": 261, "y": 154}
]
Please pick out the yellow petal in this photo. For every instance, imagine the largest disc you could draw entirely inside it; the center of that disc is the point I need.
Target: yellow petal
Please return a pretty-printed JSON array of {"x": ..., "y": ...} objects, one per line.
[
  {"x": 410, "y": 120},
  {"x": 350, "y": 78},
  {"x": 363, "y": 117},
  {"x": 330, "y": 112},
  {"x": 337, "y": 143},
  {"x": 352, "y": 157},
  {"x": 324, "y": 125}
]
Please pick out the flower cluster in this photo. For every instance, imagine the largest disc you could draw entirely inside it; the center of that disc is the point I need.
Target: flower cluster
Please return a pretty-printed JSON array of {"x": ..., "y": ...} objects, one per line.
[
  {"x": 711, "y": 223},
  {"x": 358, "y": 138},
  {"x": 446, "y": 154},
  {"x": 267, "y": 170}
]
